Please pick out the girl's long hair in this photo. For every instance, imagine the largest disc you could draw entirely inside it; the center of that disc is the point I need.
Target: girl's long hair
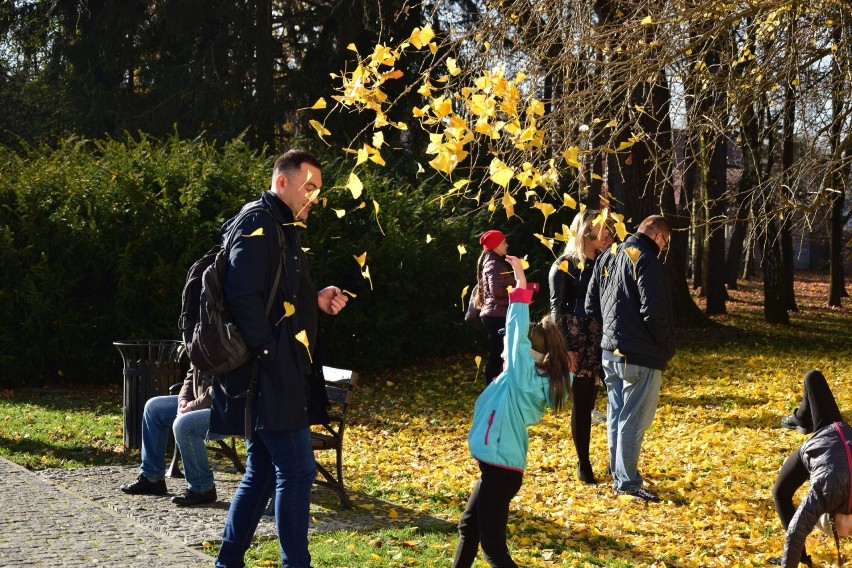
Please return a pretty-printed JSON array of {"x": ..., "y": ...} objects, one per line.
[
  {"x": 546, "y": 338},
  {"x": 478, "y": 301}
]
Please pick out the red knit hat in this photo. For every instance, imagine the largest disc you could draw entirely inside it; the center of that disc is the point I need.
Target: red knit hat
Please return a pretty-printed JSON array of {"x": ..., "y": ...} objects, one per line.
[{"x": 491, "y": 239}]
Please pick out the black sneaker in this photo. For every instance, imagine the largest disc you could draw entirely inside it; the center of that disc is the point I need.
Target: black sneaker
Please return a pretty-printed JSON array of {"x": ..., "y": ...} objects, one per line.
[
  {"x": 144, "y": 486},
  {"x": 195, "y": 497},
  {"x": 794, "y": 423},
  {"x": 585, "y": 473},
  {"x": 642, "y": 493}
]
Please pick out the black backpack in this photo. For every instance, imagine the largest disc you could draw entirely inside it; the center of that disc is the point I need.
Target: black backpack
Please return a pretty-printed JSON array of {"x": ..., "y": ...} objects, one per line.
[{"x": 212, "y": 341}]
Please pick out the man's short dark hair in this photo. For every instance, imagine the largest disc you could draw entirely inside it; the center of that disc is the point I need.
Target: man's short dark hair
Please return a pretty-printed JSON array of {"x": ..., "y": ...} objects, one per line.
[
  {"x": 293, "y": 160},
  {"x": 656, "y": 223}
]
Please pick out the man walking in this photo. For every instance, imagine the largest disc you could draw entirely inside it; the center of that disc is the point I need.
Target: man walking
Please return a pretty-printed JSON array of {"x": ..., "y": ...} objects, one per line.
[
  {"x": 627, "y": 295},
  {"x": 279, "y": 455}
]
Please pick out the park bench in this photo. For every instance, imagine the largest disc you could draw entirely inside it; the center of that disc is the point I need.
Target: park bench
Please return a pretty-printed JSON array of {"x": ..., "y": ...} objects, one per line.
[{"x": 340, "y": 387}]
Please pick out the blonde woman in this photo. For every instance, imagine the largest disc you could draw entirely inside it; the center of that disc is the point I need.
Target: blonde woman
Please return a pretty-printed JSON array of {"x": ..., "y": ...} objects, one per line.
[{"x": 569, "y": 278}]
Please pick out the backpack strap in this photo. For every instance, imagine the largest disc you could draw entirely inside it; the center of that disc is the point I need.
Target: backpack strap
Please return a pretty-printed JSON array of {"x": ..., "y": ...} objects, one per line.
[{"x": 255, "y": 366}]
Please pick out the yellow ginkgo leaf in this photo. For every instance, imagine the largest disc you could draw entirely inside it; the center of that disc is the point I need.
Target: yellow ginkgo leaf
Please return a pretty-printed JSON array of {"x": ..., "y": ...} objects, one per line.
[
  {"x": 508, "y": 204},
  {"x": 462, "y": 250},
  {"x": 366, "y": 274},
  {"x": 361, "y": 260},
  {"x": 321, "y": 130},
  {"x": 320, "y": 104},
  {"x": 546, "y": 209},
  {"x": 569, "y": 201},
  {"x": 378, "y": 139},
  {"x": 563, "y": 266},
  {"x": 500, "y": 173},
  {"x": 289, "y": 310},
  {"x": 614, "y": 248},
  {"x": 463, "y": 294},
  {"x": 634, "y": 254},
  {"x": 525, "y": 263},
  {"x": 647, "y": 21},
  {"x": 348, "y": 293},
  {"x": 376, "y": 207},
  {"x": 452, "y": 67},
  {"x": 620, "y": 230},
  {"x": 339, "y": 212},
  {"x": 428, "y": 238},
  {"x": 256, "y": 233},
  {"x": 302, "y": 337},
  {"x": 354, "y": 185},
  {"x": 478, "y": 361},
  {"x": 571, "y": 156}
]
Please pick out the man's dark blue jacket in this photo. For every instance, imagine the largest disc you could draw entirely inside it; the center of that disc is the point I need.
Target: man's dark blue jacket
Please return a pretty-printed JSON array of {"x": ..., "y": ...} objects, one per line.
[
  {"x": 632, "y": 304},
  {"x": 281, "y": 402}
]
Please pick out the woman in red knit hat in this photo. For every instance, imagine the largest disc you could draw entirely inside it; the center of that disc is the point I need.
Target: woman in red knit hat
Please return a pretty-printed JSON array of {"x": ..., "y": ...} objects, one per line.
[{"x": 494, "y": 276}]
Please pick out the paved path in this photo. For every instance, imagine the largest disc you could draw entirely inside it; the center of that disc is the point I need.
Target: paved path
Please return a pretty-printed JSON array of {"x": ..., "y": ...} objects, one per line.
[
  {"x": 78, "y": 517},
  {"x": 45, "y": 524}
]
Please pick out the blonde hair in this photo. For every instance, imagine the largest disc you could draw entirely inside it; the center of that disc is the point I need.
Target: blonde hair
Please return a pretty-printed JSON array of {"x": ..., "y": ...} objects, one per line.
[
  {"x": 546, "y": 338},
  {"x": 581, "y": 228}
]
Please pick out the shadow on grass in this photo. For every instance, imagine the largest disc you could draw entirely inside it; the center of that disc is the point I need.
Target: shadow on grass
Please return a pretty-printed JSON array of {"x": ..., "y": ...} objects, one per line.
[{"x": 85, "y": 455}]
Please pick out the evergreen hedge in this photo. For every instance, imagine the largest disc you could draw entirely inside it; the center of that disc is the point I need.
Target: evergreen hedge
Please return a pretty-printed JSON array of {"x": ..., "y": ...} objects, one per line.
[{"x": 96, "y": 238}]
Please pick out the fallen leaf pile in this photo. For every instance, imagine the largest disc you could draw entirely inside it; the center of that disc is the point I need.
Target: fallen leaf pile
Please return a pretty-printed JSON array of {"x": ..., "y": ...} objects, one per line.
[{"x": 712, "y": 452}]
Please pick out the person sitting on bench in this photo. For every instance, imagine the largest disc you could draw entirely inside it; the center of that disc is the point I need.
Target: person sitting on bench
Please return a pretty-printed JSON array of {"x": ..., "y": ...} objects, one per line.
[{"x": 188, "y": 414}]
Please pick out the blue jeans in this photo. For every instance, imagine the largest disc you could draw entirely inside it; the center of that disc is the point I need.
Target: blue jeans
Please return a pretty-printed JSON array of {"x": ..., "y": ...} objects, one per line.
[
  {"x": 283, "y": 463},
  {"x": 633, "y": 395},
  {"x": 190, "y": 433}
]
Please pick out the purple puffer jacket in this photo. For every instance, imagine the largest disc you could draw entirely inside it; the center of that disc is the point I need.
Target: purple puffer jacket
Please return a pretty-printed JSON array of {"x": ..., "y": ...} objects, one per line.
[{"x": 495, "y": 278}]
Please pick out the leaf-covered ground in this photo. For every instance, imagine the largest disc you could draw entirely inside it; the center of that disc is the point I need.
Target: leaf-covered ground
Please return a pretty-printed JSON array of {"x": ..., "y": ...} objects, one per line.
[{"x": 712, "y": 452}]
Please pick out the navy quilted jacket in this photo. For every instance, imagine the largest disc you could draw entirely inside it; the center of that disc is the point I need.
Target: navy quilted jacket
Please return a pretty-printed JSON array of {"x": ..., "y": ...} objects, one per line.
[{"x": 632, "y": 304}]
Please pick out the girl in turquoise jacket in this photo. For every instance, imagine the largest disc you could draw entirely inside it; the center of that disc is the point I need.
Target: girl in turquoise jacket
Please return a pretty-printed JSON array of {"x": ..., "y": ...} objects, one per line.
[{"x": 536, "y": 377}]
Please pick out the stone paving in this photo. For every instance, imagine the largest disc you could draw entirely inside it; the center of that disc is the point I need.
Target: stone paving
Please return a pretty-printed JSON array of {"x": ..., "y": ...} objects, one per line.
[
  {"x": 44, "y": 524},
  {"x": 78, "y": 517}
]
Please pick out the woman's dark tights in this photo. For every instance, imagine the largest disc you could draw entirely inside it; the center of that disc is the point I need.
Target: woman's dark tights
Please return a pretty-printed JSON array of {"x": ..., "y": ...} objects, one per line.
[{"x": 583, "y": 393}]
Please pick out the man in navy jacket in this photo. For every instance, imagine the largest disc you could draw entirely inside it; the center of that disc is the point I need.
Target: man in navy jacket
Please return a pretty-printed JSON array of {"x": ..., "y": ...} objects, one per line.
[
  {"x": 279, "y": 454},
  {"x": 627, "y": 295}
]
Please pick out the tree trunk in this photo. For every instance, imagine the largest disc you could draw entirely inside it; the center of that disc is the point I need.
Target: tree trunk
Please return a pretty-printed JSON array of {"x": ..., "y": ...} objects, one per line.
[
  {"x": 264, "y": 75},
  {"x": 714, "y": 267},
  {"x": 774, "y": 298},
  {"x": 787, "y": 158}
]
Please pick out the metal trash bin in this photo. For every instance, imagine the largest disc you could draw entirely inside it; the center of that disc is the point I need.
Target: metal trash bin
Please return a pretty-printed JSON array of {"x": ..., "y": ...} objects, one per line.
[{"x": 150, "y": 367}]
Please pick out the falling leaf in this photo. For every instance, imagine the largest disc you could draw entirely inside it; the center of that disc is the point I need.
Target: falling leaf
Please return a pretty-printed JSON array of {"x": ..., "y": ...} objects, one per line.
[
  {"x": 348, "y": 293},
  {"x": 564, "y": 266},
  {"x": 339, "y": 212},
  {"x": 613, "y": 248},
  {"x": 354, "y": 185},
  {"x": 463, "y": 294},
  {"x": 321, "y": 130},
  {"x": 320, "y": 104},
  {"x": 508, "y": 204},
  {"x": 428, "y": 238},
  {"x": 646, "y": 21},
  {"x": 302, "y": 337},
  {"x": 569, "y": 201},
  {"x": 462, "y": 250},
  {"x": 256, "y": 233},
  {"x": 289, "y": 310}
]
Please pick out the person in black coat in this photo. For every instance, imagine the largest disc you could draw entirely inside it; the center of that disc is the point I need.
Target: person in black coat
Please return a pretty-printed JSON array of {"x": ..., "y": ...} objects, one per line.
[
  {"x": 825, "y": 459},
  {"x": 279, "y": 456}
]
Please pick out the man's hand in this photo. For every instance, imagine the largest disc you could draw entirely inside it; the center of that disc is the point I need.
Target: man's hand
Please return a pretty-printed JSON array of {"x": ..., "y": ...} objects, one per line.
[
  {"x": 331, "y": 300},
  {"x": 183, "y": 407},
  {"x": 572, "y": 362}
]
